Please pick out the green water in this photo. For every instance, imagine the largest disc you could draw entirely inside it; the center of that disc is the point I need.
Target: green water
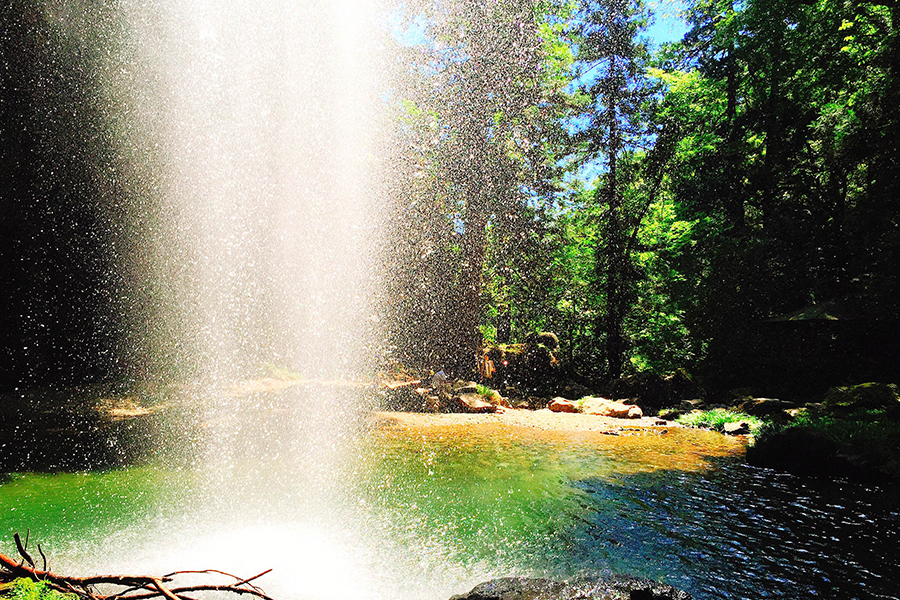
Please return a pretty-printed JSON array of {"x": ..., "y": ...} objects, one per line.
[
  {"x": 503, "y": 496},
  {"x": 425, "y": 512}
]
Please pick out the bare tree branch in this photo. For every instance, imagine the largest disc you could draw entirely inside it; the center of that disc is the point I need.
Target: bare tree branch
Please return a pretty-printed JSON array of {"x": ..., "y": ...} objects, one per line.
[{"x": 137, "y": 587}]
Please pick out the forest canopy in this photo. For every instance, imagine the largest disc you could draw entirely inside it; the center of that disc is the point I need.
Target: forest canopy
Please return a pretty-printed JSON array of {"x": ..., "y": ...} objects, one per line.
[
  {"x": 743, "y": 215},
  {"x": 725, "y": 206}
]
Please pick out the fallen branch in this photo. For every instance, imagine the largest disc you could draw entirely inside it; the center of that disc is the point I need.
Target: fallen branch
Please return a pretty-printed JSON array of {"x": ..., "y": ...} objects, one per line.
[{"x": 136, "y": 587}]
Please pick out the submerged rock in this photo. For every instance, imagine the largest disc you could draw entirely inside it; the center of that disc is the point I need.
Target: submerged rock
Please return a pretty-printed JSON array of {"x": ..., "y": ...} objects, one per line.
[{"x": 616, "y": 587}]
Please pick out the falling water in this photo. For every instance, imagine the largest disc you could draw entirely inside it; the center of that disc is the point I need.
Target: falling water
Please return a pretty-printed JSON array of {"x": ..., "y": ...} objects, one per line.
[
  {"x": 246, "y": 151},
  {"x": 249, "y": 130}
]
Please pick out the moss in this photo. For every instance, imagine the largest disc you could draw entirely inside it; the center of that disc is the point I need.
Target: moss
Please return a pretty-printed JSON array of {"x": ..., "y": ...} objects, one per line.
[
  {"x": 26, "y": 589},
  {"x": 862, "y": 397},
  {"x": 669, "y": 414}
]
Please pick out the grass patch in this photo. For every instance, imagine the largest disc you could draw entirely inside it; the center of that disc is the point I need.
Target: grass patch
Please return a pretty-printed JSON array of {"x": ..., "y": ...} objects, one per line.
[
  {"x": 716, "y": 419},
  {"x": 26, "y": 589}
]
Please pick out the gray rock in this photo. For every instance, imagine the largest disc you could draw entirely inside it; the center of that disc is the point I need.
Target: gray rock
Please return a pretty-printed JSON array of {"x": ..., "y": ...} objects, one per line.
[
  {"x": 467, "y": 387},
  {"x": 616, "y": 587}
]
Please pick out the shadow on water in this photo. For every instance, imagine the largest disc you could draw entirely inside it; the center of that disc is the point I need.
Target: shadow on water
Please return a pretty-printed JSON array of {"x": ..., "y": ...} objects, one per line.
[
  {"x": 103, "y": 427},
  {"x": 743, "y": 532},
  {"x": 92, "y": 428}
]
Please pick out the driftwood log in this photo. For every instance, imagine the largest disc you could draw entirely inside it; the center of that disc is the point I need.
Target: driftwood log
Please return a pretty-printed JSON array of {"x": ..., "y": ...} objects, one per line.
[{"x": 121, "y": 587}]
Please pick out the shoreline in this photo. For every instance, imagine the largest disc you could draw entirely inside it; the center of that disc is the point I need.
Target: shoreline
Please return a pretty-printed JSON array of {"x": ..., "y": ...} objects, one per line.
[
  {"x": 543, "y": 419},
  {"x": 635, "y": 445}
]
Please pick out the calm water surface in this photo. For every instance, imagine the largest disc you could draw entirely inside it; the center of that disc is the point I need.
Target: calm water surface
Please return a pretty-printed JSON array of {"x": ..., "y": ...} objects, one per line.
[{"x": 427, "y": 512}]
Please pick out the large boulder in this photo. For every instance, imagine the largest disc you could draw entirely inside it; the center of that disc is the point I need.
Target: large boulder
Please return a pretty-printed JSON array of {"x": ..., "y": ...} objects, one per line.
[
  {"x": 597, "y": 406},
  {"x": 615, "y": 587},
  {"x": 528, "y": 365},
  {"x": 546, "y": 339},
  {"x": 799, "y": 450},
  {"x": 471, "y": 403},
  {"x": 609, "y": 408},
  {"x": 563, "y": 405},
  {"x": 847, "y": 399}
]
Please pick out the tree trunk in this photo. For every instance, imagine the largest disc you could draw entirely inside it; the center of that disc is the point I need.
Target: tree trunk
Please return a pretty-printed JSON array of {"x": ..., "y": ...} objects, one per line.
[
  {"x": 615, "y": 247},
  {"x": 468, "y": 337}
]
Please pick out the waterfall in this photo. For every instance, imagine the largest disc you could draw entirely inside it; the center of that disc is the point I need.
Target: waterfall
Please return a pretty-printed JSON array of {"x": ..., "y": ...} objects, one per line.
[{"x": 246, "y": 148}]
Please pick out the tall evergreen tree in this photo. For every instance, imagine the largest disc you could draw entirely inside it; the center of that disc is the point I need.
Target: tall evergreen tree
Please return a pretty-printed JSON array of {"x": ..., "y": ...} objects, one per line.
[{"x": 615, "y": 81}]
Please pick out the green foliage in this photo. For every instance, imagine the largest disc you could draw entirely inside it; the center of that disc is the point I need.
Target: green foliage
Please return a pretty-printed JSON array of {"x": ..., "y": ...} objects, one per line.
[
  {"x": 742, "y": 173},
  {"x": 26, "y": 589},
  {"x": 716, "y": 419}
]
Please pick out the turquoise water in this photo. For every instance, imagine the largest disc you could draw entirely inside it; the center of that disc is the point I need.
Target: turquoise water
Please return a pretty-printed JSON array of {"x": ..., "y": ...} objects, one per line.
[{"x": 426, "y": 512}]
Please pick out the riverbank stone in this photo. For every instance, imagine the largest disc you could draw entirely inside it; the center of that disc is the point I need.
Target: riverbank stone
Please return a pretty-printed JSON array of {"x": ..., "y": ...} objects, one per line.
[
  {"x": 563, "y": 405},
  {"x": 615, "y": 587},
  {"x": 474, "y": 403},
  {"x": 765, "y": 407},
  {"x": 609, "y": 408},
  {"x": 591, "y": 405},
  {"x": 847, "y": 399}
]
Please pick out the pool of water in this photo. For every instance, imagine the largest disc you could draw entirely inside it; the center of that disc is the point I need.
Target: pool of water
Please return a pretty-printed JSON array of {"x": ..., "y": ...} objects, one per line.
[{"x": 425, "y": 512}]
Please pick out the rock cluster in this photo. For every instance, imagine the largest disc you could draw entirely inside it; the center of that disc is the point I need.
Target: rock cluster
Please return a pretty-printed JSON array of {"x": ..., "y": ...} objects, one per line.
[{"x": 811, "y": 447}]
